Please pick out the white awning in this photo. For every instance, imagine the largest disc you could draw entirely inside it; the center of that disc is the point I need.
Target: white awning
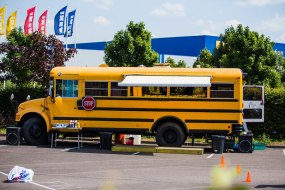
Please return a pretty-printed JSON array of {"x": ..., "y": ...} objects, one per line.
[{"x": 174, "y": 81}]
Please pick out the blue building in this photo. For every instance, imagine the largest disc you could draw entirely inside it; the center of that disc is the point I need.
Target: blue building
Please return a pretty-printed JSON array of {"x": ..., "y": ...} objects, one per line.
[{"x": 179, "y": 46}]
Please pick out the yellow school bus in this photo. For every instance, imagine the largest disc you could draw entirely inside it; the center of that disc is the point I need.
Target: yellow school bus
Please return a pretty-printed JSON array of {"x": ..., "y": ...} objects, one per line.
[{"x": 170, "y": 103}]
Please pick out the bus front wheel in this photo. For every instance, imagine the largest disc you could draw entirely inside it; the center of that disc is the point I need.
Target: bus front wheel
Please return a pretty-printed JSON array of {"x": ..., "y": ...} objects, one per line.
[
  {"x": 34, "y": 131},
  {"x": 170, "y": 134}
]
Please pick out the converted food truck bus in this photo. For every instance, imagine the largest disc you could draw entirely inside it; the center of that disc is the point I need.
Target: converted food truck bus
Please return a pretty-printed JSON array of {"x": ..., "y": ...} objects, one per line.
[{"x": 170, "y": 103}]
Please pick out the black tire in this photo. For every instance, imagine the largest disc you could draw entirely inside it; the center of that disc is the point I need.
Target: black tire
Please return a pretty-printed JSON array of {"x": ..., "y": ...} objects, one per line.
[
  {"x": 34, "y": 131},
  {"x": 170, "y": 134}
]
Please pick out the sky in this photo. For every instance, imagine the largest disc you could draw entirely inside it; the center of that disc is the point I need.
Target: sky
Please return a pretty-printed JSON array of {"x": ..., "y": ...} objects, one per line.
[{"x": 99, "y": 20}]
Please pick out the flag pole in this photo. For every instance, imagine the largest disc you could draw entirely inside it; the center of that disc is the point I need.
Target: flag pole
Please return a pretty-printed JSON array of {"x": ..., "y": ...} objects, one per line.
[
  {"x": 4, "y": 34},
  {"x": 75, "y": 26},
  {"x": 66, "y": 25},
  {"x": 34, "y": 20},
  {"x": 46, "y": 22},
  {"x": 4, "y": 24}
]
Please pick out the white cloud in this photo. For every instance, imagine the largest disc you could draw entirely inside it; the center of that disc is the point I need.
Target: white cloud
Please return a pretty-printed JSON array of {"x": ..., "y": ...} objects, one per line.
[
  {"x": 274, "y": 24},
  {"x": 209, "y": 24},
  {"x": 232, "y": 22},
  {"x": 175, "y": 8},
  {"x": 159, "y": 12},
  {"x": 258, "y": 2},
  {"x": 105, "y": 4},
  {"x": 168, "y": 8},
  {"x": 208, "y": 32},
  {"x": 207, "y": 27},
  {"x": 101, "y": 20},
  {"x": 101, "y": 4}
]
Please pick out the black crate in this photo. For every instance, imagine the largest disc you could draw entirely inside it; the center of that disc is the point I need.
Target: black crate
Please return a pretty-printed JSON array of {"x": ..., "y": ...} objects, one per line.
[
  {"x": 245, "y": 143},
  {"x": 13, "y": 135}
]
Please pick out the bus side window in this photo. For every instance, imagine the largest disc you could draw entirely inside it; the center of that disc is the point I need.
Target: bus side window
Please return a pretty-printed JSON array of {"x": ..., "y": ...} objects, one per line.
[
  {"x": 118, "y": 90},
  {"x": 222, "y": 91},
  {"x": 192, "y": 92},
  {"x": 96, "y": 88},
  {"x": 58, "y": 88},
  {"x": 67, "y": 88},
  {"x": 154, "y": 90}
]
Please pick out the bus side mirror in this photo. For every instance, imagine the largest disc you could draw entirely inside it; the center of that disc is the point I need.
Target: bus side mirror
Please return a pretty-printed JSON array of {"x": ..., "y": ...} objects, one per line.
[{"x": 12, "y": 97}]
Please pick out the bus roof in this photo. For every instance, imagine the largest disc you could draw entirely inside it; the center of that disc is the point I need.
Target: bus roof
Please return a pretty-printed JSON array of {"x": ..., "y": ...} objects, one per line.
[{"x": 118, "y": 73}]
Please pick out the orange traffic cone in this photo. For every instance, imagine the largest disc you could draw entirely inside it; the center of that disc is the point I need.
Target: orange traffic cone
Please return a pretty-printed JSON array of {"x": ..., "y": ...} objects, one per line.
[
  {"x": 238, "y": 170},
  {"x": 222, "y": 162},
  {"x": 248, "y": 178}
]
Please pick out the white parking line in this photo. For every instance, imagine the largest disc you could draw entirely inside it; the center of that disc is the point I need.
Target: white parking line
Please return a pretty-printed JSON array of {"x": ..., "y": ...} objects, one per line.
[
  {"x": 68, "y": 149},
  {"x": 2, "y": 145},
  {"x": 210, "y": 155},
  {"x": 43, "y": 186},
  {"x": 284, "y": 151},
  {"x": 3, "y": 173}
]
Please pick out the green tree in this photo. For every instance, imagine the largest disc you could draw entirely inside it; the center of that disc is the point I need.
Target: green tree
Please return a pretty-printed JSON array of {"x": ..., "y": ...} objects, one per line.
[
  {"x": 204, "y": 60},
  {"x": 131, "y": 47},
  {"x": 29, "y": 58},
  {"x": 181, "y": 64},
  {"x": 172, "y": 63},
  {"x": 245, "y": 49}
]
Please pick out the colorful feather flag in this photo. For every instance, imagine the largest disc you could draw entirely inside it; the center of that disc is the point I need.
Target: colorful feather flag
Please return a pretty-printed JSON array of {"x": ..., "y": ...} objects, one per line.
[
  {"x": 59, "y": 21},
  {"x": 70, "y": 23},
  {"x": 29, "y": 22},
  {"x": 11, "y": 22},
  {"x": 42, "y": 23},
  {"x": 2, "y": 19}
]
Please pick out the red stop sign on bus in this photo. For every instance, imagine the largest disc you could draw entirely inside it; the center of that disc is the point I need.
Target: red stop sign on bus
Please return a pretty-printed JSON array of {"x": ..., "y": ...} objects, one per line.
[{"x": 88, "y": 103}]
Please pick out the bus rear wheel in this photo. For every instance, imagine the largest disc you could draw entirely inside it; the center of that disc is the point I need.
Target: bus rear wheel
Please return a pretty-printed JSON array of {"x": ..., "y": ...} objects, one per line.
[
  {"x": 34, "y": 131},
  {"x": 170, "y": 134}
]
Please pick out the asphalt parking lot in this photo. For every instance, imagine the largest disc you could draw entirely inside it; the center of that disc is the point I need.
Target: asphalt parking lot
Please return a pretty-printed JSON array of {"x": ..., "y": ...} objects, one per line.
[{"x": 66, "y": 167}]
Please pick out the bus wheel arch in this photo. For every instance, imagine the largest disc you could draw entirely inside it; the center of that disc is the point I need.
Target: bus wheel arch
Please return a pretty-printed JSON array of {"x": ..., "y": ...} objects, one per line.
[
  {"x": 34, "y": 130},
  {"x": 170, "y": 131}
]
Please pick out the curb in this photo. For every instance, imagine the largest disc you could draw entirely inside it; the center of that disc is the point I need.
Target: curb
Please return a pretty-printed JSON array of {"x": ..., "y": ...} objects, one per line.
[
  {"x": 155, "y": 149},
  {"x": 133, "y": 148},
  {"x": 196, "y": 151}
]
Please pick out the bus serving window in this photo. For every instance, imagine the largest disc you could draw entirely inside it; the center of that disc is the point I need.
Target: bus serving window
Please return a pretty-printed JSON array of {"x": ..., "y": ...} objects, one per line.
[
  {"x": 118, "y": 90},
  {"x": 222, "y": 91},
  {"x": 193, "y": 92},
  {"x": 154, "y": 90},
  {"x": 67, "y": 88},
  {"x": 96, "y": 88}
]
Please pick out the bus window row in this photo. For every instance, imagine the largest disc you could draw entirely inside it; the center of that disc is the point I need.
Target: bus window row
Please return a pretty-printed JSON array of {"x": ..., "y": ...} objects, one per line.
[{"x": 69, "y": 88}]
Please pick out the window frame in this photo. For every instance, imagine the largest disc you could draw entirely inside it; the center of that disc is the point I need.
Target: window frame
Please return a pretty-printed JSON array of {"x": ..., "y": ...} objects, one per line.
[
  {"x": 106, "y": 89},
  {"x": 224, "y": 83},
  {"x": 65, "y": 91},
  {"x": 118, "y": 89}
]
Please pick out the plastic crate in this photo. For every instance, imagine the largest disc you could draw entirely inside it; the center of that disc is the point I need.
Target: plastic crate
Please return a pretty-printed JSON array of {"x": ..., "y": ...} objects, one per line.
[{"x": 259, "y": 146}]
